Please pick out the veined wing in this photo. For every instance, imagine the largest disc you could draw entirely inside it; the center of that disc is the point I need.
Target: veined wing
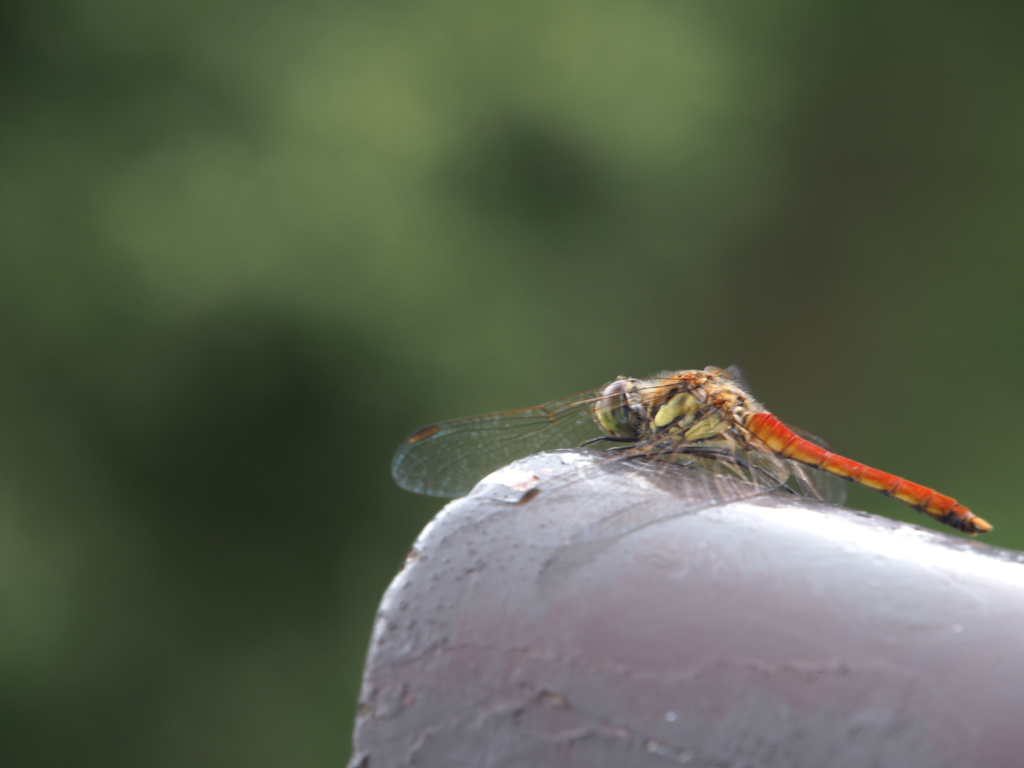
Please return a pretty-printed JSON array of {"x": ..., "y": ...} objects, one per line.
[
  {"x": 655, "y": 480},
  {"x": 447, "y": 459},
  {"x": 598, "y": 497}
]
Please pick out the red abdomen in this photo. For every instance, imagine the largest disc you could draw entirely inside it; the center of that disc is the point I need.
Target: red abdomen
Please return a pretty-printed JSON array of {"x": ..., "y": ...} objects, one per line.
[{"x": 782, "y": 441}]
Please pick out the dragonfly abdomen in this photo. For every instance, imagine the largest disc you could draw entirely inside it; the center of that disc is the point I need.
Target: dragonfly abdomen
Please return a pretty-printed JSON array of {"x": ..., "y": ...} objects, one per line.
[{"x": 786, "y": 443}]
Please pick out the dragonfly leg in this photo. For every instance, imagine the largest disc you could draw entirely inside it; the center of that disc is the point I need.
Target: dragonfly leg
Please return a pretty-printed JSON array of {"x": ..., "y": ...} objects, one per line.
[
  {"x": 728, "y": 455},
  {"x": 607, "y": 439}
]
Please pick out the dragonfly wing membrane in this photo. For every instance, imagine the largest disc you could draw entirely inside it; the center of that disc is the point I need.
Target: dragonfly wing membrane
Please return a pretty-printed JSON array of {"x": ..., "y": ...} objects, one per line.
[
  {"x": 649, "y": 489},
  {"x": 449, "y": 458}
]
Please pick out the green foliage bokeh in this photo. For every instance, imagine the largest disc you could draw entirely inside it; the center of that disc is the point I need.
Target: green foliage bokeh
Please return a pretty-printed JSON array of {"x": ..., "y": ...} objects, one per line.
[{"x": 247, "y": 247}]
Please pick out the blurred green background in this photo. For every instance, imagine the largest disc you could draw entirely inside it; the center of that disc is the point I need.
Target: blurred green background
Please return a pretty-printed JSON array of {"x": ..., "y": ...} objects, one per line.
[{"x": 248, "y": 247}]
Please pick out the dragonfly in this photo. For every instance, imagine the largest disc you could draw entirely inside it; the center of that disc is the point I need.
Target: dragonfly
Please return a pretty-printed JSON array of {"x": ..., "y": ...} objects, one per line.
[{"x": 700, "y": 424}]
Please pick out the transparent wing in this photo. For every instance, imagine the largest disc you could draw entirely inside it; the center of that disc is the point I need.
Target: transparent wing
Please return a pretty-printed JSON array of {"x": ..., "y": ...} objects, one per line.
[
  {"x": 600, "y": 496},
  {"x": 655, "y": 481},
  {"x": 447, "y": 459}
]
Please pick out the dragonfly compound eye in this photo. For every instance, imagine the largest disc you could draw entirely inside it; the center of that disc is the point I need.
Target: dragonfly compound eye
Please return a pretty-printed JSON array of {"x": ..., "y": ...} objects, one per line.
[{"x": 613, "y": 413}]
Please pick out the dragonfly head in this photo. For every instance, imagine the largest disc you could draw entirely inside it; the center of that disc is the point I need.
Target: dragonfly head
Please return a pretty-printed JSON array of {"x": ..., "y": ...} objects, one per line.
[{"x": 613, "y": 411}]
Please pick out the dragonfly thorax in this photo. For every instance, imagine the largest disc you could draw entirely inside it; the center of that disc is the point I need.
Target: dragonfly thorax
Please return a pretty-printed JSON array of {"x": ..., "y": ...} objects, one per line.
[{"x": 695, "y": 405}]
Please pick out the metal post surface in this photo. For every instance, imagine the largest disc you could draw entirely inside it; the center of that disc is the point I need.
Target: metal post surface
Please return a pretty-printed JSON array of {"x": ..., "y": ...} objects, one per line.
[{"x": 773, "y": 631}]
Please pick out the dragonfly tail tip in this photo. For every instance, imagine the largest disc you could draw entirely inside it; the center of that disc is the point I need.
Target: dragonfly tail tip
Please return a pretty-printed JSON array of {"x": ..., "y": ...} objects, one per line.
[{"x": 980, "y": 526}]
